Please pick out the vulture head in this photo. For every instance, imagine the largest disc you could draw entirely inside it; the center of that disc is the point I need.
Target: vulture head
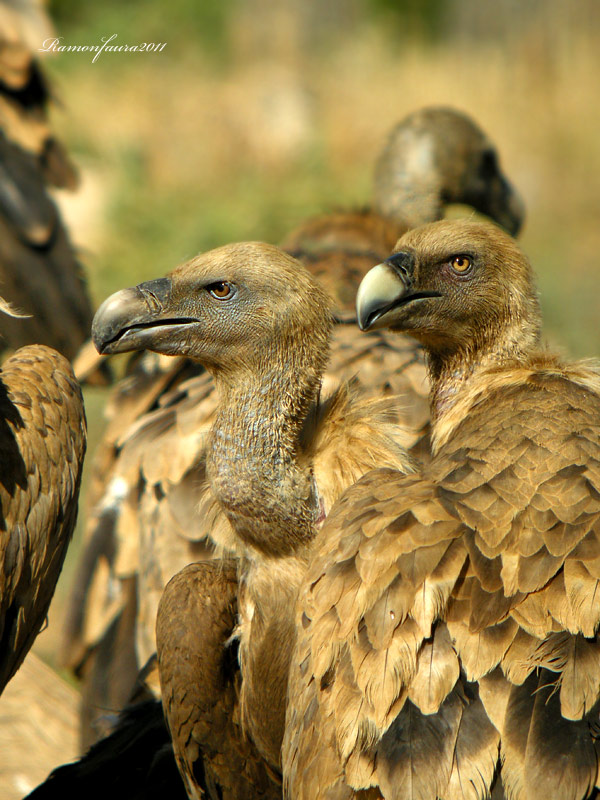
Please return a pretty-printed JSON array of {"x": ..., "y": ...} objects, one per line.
[
  {"x": 242, "y": 307},
  {"x": 438, "y": 156},
  {"x": 254, "y": 317},
  {"x": 463, "y": 289}
]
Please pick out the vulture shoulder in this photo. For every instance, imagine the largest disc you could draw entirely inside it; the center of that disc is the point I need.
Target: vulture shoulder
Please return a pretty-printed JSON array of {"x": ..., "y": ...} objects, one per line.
[
  {"x": 196, "y": 618},
  {"x": 42, "y": 440},
  {"x": 447, "y": 626}
]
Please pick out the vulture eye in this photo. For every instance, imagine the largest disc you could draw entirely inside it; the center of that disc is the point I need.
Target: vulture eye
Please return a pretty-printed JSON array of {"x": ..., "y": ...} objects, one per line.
[
  {"x": 461, "y": 264},
  {"x": 221, "y": 290}
]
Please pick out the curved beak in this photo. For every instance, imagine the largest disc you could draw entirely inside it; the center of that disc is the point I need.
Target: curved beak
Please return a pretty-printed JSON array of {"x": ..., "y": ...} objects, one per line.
[
  {"x": 380, "y": 290},
  {"x": 136, "y": 319}
]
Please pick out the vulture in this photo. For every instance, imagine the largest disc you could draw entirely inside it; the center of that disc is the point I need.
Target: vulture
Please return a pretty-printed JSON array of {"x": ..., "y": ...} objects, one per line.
[
  {"x": 275, "y": 457},
  {"x": 448, "y": 622},
  {"x": 42, "y": 445},
  {"x": 39, "y": 270},
  {"x": 143, "y": 524}
]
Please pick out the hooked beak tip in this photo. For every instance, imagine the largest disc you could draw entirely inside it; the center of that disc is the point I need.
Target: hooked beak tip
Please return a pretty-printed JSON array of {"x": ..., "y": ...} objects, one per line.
[{"x": 378, "y": 290}]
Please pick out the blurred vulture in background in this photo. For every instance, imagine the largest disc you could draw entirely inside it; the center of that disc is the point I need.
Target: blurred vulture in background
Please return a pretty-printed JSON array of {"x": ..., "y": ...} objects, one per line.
[
  {"x": 273, "y": 459},
  {"x": 448, "y": 626},
  {"x": 145, "y": 522},
  {"x": 39, "y": 272},
  {"x": 433, "y": 158},
  {"x": 42, "y": 444}
]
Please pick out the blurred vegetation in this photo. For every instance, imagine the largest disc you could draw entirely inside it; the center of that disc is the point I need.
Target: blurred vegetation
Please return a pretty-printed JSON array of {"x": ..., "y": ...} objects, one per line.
[{"x": 256, "y": 115}]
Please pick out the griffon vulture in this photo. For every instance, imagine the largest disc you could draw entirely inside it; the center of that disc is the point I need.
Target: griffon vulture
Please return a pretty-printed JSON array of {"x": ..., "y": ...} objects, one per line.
[
  {"x": 274, "y": 459},
  {"x": 42, "y": 444},
  {"x": 448, "y": 623},
  {"x": 39, "y": 271},
  {"x": 142, "y": 525}
]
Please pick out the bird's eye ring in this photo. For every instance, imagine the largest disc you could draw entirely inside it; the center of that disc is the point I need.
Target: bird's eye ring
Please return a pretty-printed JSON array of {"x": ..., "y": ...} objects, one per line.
[
  {"x": 460, "y": 264},
  {"x": 221, "y": 290}
]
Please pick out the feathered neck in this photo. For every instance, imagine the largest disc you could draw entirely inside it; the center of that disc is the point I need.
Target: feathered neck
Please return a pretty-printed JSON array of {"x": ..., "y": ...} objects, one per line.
[
  {"x": 252, "y": 460},
  {"x": 452, "y": 372}
]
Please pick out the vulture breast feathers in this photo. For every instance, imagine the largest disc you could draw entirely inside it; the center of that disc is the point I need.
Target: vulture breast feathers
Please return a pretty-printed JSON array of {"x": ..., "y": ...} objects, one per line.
[
  {"x": 143, "y": 524},
  {"x": 448, "y": 629},
  {"x": 42, "y": 444},
  {"x": 275, "y": 457}
]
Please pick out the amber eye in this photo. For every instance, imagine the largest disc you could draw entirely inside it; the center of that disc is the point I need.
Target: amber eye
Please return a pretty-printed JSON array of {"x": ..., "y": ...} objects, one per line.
[
  {"x": 221, "y": 290},
  {"x": 460, "y": 264}
]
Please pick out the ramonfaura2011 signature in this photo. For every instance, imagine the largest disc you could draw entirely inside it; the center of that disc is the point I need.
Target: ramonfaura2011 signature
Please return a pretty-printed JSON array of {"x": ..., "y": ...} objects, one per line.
[{"x": 53, "y": 45}]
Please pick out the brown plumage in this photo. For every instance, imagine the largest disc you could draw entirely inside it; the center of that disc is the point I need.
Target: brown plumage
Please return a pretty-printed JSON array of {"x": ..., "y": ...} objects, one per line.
[
  {"x": 448, "y": 625},
  {"x": 42, "y": 441},
  {"x": 39, "y": 270},
  {"x": 274, "y": 460},
  {"x": 196, "y": 619},
  {"x": 136, "y": 540}
]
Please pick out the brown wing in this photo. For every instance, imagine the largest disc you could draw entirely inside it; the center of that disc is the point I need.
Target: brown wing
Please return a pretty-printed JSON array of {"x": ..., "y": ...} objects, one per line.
[
  {"x": 39, "y": 271},
  {"x": 144, "y": 528},
  {"x": 200, "y": 681},
  {"x": 453, "y": 613},
  {"x": 42, "y": 439}
]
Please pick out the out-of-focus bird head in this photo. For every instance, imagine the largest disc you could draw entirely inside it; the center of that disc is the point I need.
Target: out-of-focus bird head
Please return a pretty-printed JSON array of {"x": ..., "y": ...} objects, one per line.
[
  {"x": 232, "y": 308},
  {"x": 436, "y": 156},
  {"x": 455, "y": 286}
]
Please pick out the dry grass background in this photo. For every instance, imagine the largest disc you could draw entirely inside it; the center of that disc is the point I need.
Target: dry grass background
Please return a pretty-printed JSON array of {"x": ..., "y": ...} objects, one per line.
[{"x": 240, "y": 130}]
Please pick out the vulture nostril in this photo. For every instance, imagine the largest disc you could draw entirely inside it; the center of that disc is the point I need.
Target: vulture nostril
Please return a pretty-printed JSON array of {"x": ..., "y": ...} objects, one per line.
[
  {"x": 403, "y": 263},
  {"x": 152, "y": 300}
]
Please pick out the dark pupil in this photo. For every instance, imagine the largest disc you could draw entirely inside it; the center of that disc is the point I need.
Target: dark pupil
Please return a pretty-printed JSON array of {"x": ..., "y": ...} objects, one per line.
[{"x": 221, "y": 288}]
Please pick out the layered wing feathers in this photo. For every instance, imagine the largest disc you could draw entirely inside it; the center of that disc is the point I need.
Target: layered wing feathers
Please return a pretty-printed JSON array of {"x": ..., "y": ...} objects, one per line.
[
  {"x": 485, "y": 564},
  {"x": 42, "y": 441}
]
